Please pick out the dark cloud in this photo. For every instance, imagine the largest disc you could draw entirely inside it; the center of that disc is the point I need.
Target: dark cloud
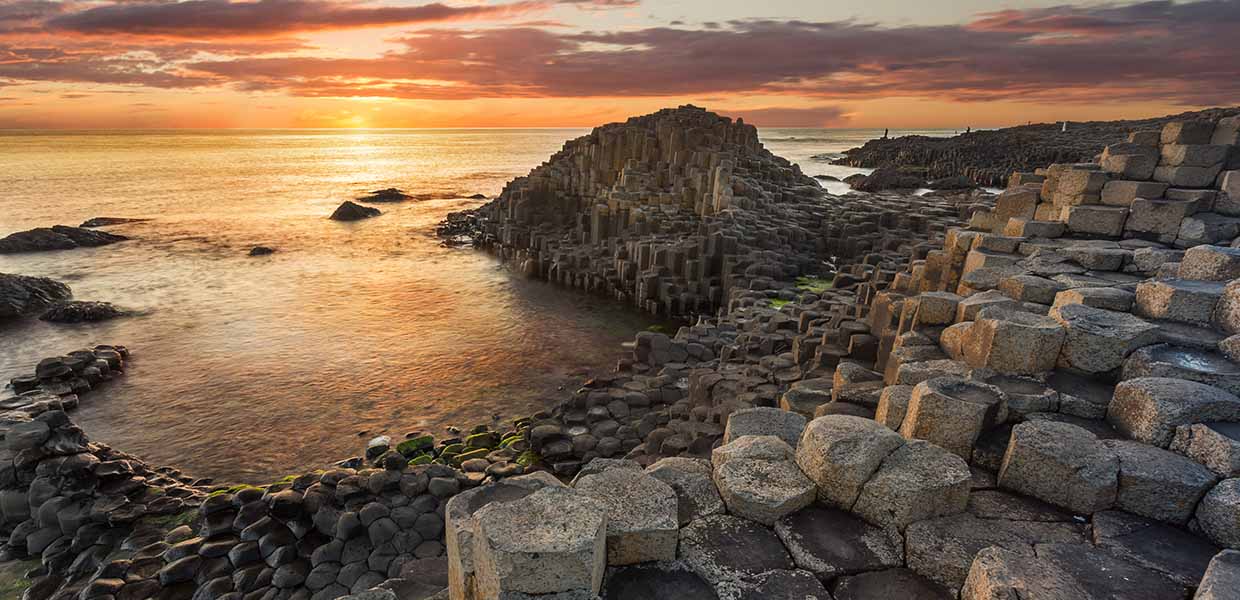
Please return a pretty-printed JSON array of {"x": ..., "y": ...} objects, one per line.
[{"x": 223, "y": 18}]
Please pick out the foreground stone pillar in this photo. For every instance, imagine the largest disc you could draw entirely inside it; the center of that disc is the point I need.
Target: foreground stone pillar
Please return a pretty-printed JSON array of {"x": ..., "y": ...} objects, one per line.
[{"x": 550, "y": 542}]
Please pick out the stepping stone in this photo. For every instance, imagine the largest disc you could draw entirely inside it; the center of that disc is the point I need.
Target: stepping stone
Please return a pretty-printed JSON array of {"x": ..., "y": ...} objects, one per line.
[
  {"x": 549, "y": 542},
  {"x": 839, "y": 453},
  {"x": 1064, "y": 571},
  {"x": 460, "y": 527},
  {"x": 1013, "y": 342},
  {"x": 1217, "y": 513},
  {"x": 892, "y": 584},
  {"x": 1169, "y": 550},
  {"x": 1098, "y": 340},
  {"x": 798, "y": 584},
  {"x": 1149, "y": 409},
  {"x": 943, "y": 549},
  {"x": 1157, "y": 483},
  {"x": 1178, "y": 362},
  {"x": 765, "y": 420},
  {"x": 1215, "y": 445},
  {"x": 917, "y": 481},
  {"x": 1062, "y": 464},
  {"x": 690, "y": 478},
  {"x": 723, "y": 549},
  {"x": 1178, "y": 300},
  {"x": 655, "y": 582},
  {"x": 952, "y": 412},
  {"x": 641, "y": 515},
  {"x": 763, "y": 490},
  {"x": 756, "y": 447},
  {"x": 829, "y": 543},
  {"x": 1222, "y": 578}
]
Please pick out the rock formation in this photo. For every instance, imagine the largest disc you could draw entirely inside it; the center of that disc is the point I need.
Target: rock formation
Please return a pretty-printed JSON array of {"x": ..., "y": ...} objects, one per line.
[
  {"x": 59, "y": 237},
  {"x": 22, "y": 295},
  {"x": 987, "y": 157},
  {"x": 385, "y": 195},
  {"x": 350, "y": 211},
  {"x": 81, "y": 312}
]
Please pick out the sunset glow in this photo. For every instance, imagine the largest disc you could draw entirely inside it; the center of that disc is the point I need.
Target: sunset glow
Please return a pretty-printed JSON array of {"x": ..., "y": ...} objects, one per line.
[{"x": 539, "y": 63}]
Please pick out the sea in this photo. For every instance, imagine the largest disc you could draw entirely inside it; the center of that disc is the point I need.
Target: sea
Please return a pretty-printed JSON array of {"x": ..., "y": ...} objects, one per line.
[{"x": 246, "y": 369}]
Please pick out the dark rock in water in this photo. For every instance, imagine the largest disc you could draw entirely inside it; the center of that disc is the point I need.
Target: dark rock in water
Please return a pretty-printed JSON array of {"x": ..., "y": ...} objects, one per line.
[
  {"x": 60, "y": 237},
  {"x": 826, "y": 178},
  {"x": 853, "y": 180},
  {"x": 81, "y": 312},
  {"x": 386, "y": 195},
  {"x": 261, "y": 251},
  {"x": 887, "y": 179},
  {"x": 478, "y": 197},
  {"x": 956, "y": 182},
  {"x": 350, "y": 211},
  {"x": 655, "y": 582},
  {"x": 105, "y": 221},
  {"x": 20, "y": 295}
]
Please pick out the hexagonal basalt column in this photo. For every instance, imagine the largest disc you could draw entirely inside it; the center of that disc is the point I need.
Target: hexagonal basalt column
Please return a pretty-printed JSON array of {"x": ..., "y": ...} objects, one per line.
[
  {"x": 839, "y": 453},
  {"x": 552, "y": 541},
  {"x": 1098, "y": 340},
  {"x": 1149, "y": 409},
  {"x": 641, "y": 515},
  {"x": 1062, "y": 464},
  {"x": 952, "y": 412},
  {"x": 1012, "y": 342}
]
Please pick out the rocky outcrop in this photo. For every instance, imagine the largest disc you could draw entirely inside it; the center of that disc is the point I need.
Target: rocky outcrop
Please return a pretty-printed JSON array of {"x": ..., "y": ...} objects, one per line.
[
  {"x": 107, "y": 221},
  {"x": 22, "y": 295},
  {"x": 385, "y": 195},
  {"x": 59, "y": 237},
  {"x": 350, "y": 211},
  {"x": 988, "y": 157},
  {"x": 81, "y": 312}
]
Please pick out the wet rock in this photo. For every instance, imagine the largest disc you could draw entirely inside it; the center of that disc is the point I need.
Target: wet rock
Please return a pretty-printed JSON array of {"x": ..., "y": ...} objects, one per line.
[
  {"x": 59, "y": 237},
  {"x": 724, "y": 550},
  {"x": 107, "y": 221},
  {"x": 349, "y": 211},
  {"x": 261, "y": 251},
  {"x": 385, "y": 195},
  {"x": 21, "y": 295},
  {"x": 81, "y": 312}
]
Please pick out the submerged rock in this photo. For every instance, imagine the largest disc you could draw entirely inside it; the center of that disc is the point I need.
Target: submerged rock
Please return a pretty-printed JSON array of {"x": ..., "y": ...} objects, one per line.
[
  {"x": 386, "y": 195},
  {"x": 106, "y": 221},
  {"x": 59, "y": 237},
  {"x": 478, "y": 197},
  {"x": 350, "y": 211},
  {"x": 261, "y": 251},
  {"x": 20, "y": 295},
  {"x": 81, "y": 312}
]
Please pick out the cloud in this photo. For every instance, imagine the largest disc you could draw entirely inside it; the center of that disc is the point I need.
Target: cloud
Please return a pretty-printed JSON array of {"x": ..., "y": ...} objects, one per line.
[{"x": 1148, "y": 51}]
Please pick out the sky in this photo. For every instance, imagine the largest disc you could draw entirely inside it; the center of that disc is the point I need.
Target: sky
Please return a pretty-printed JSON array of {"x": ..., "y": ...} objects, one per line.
[{"x": 77, "y": 64}]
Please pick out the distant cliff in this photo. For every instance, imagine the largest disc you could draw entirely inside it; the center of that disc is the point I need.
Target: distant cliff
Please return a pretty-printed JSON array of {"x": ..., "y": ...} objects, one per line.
[{"x": 988, "y": 157}]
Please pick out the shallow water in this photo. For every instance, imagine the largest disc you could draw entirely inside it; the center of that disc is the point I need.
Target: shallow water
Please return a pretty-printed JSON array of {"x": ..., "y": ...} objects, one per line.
[{"x": 247, "y": 369}]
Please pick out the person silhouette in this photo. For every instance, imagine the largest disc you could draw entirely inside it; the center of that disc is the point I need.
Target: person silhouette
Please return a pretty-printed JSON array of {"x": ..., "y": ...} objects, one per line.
[{"x": 885, "y": 132}]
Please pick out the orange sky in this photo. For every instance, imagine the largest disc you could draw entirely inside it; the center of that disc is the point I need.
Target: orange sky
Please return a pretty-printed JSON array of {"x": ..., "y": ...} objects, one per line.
[{"x": 543, "y": 63}]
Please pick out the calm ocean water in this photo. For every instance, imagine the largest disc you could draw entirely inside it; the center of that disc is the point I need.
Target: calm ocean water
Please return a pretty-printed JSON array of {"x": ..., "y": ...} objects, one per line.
[{"x": 247, "y": 369}]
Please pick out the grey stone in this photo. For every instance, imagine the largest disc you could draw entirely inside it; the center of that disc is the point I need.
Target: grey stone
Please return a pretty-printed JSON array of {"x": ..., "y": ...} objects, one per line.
[
  {"x": 1063, "y": 571},
  {"x": 829, "y": 543},
  {"x": 763, "y": 490},
  {"x": 916, "y": 481},
  {"x": 1215, "y": 445},
  {"x": 1098, "y": 340},
  {"x": 724, "y": 550},
  {"x": 1222, "y": 578},
  {"x": 839, "y": 453},
  {"x": 1169, "y": 550},
  {"x": 1149, "y": 409},
  {"x": 952, "y": 412},
  {"x": 641, "y": 515},
  {"x": 690, "y": 478},
  {"x": 891, "y": 584},
  {"x": 1158, "y": 484},
  {"x": 1062, "y": 464},
  {"x": 763, "y": 420},
  {"x": 1218, "y": 515}
]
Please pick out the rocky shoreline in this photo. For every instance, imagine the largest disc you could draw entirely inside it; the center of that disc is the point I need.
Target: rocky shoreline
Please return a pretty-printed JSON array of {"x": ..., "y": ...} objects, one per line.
[
  {"x": 880, "y": 396},
  {"x": 987, "y": 157}
]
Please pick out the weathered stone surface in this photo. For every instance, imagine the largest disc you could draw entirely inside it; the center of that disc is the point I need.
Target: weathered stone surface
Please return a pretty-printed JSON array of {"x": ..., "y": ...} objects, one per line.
[
  {"x": 891, "y": 584},
  {"x": 1222, "y": 578},
  {"x": 655, "y": 582},
  {"x": 1063, "y": 571},
  {"x": 1181, "y": 362},
  {"x": 839, "y": 453},
  {"x": 460, "y": 525},
  {"x": 1098, "y": 340},
  {"x": 952, "y": 412},
  {"x": 1157, "y": 483},
  {"x": 763, "y": 490},
  {"x": 641, "y": 515},
  {"x": 690, "y": 478},
  {"x": 1210, "y": 263},
  {"x": 1215, "y": 445},
  {"x": 943, "y": 549},
  {"x": 724, "y": 550},
  {"x": 548, "y": 542},
  {"x": 1169, "y": 550},
  {"x": 763, "y": 420},
  {"x": 1227, "y": 310},
  {"x": 829, "y": 543},
  {"x": 785, "y": 584},
  {"x": 806, "y": 395},
  {"x": 758, "y": 447},
  {"x": 916, "y": 481},
  {"x": 1149, "y": 409},
  {"x": 893, "y": 405},
  {"x": 1013, "y": 342},
  {"x": 1062, "y": 464},
  {"x": 1218, "y": 515},
  {"x": 1178, "y": 300}
]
